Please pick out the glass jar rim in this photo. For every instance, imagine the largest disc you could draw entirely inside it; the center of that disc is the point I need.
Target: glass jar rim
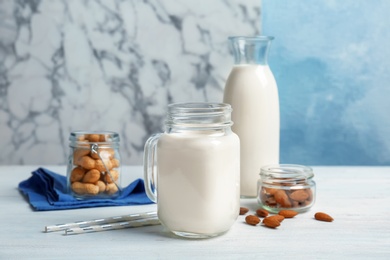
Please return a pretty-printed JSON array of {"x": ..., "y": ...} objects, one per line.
[
  {"x": 112, "y": 136},
  {"x": 287, "y": 171},
  {"x": 198, "y": 108},
  {"x": 252, "y": 38},
  {"x": 198, "y": 115}
]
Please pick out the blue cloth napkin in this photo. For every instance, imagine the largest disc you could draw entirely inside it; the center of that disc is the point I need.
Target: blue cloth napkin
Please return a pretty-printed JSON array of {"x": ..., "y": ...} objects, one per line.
[{"x": 47, "y": 190}]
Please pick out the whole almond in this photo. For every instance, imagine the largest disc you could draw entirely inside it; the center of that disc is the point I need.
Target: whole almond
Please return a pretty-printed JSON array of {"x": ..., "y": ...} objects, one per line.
[
  {"x": 243, "y": 210},
  {"x": 282, "y": 199},
  {"x": 323, "y": 217},
  {"x": 287, "y": 213},
  {"x": 262, "y": 213},
  {"x": 271, "y": 222},
  {"x": 279, "y": 218},
  {"x": 252, "y": 220},
  {"x": 299, "y": 195}
]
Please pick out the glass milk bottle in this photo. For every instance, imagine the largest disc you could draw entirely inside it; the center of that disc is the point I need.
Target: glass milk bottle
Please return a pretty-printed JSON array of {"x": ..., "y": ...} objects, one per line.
[
  {"x": 192, "y": 170},
  {"x": 252, "y": 92}
]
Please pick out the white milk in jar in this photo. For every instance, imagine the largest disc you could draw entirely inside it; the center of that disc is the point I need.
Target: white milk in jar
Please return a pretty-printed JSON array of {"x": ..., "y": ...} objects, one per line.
[
  {"x": 197, "y": 165},
  {"x": 252, "y": 92}
]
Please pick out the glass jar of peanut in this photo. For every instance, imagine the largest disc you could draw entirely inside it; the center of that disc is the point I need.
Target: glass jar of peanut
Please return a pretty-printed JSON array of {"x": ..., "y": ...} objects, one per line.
[
  {"x": 94, "y": 165},
  {"x": 286, "y": 186}
]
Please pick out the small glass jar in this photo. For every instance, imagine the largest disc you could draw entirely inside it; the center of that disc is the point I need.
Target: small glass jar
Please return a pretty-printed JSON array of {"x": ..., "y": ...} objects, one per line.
[
  {"x": 286, "y": 186},
  {"x": 94, "y": 165}
]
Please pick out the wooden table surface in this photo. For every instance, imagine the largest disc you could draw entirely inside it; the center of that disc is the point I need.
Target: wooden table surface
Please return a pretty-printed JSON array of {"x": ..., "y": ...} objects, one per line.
[{"x": 358, "y": 198}]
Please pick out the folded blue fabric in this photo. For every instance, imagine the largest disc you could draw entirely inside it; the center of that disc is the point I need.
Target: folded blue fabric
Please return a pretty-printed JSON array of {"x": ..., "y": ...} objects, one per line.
[{"x": 47, "y": 190}]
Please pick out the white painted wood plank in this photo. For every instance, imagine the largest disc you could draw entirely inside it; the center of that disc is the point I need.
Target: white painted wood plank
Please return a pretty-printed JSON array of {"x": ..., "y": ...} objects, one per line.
[{"x": 357, "y": 197}]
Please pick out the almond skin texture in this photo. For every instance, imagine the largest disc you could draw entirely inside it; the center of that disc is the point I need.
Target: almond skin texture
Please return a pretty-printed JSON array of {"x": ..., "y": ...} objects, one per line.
[
  {"x": 288, "y": 213},
  {"x": 299, "y": 195},
  {"x": 282, "y": 199},
  {"x": 262, "y": 213},
  {"x": 243, "y": 210},
  {"x": 321, "y": 216},
  {"x": 271, "y": 222},
  {"x": 252, "y": 220},
  {"x": 279, "y": 218}
]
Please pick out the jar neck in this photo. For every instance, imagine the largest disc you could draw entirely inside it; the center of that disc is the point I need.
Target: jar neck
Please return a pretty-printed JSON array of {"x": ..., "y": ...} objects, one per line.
[
  {"x": 251, "y": 50},
  {"x": 101, "y": 138},
  {"x": 197, "y": 117},
  {"x": 285, "y": 173}
]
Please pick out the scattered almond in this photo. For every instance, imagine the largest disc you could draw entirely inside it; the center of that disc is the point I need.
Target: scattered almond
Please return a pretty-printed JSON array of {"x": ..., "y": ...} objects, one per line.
[
  {"x": 279, "y": 218},
  {"x": 262, "y": 213},
  {"x": 252, "y": 220},
  {"x": 243, "y": 210},
  {"x": 271, "y": 222},
  {"x": 323, "y": 217},
  {"x": 287, "y": 213}
]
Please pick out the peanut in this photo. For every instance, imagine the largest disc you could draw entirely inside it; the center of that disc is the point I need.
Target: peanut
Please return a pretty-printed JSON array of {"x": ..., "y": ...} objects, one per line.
[
  {"x": 92, "y": 176},
  {"x": 85, "y": 188},
  {"x": 77, "y": 174},
  {"x": 86, "y": 162},
  {"x": 93, "y": 138},
  {"x": 89, "y": 175},
  {"x": 115, "y": 163},
  {"x": 80, "y": 152},
  {"x": 112, "y": 177},
  {"x": 101, "y": 166},
  {"x": 105, "y": 153},
  {"x": 111, "y": 188},
  {"x": 101, "y": 185}
]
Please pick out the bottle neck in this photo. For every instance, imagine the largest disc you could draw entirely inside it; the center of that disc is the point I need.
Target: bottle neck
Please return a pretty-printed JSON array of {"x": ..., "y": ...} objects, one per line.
[{"x": 251, "y": 50}]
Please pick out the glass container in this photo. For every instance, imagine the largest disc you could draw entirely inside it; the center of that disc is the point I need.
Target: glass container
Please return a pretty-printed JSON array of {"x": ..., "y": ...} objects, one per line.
[
  {"x": 286, "y": 186},
  {"x": 192, "y": 170},
  {"x": 94, "y": 165},
  {"x": 252, "y": 92}
]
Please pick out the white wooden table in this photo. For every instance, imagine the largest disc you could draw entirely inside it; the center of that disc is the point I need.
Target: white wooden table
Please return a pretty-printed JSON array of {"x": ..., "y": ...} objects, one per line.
[{"x": 357, "y": 197}]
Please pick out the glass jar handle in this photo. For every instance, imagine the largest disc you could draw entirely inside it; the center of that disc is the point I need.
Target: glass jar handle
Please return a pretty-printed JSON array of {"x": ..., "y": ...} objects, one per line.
[{"x": 150, "y": 171}]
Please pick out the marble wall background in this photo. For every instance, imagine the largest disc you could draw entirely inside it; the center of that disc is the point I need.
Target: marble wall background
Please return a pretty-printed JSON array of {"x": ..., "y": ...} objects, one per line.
[{"x": 67, "y": 65}]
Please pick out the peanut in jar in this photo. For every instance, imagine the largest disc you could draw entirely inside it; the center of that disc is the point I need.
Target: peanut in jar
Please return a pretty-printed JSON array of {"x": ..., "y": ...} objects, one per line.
[
  {"x": 286, "y": 186},
  {"x": 94, "y": 165}
]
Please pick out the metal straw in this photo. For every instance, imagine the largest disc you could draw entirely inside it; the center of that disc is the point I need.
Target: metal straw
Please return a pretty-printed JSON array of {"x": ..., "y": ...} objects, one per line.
[
  {"x": 95, "y": 222},
  {"x": 111, "y": 226}
]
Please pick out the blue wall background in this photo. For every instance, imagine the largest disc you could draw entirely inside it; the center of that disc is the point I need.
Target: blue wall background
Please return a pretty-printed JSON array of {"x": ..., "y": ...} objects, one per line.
[{"x": 331, "y": 60}]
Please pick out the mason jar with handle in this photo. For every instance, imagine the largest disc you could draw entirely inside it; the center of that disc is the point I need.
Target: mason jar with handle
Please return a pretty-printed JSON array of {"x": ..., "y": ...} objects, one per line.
[{"x": 192, "y": 170}]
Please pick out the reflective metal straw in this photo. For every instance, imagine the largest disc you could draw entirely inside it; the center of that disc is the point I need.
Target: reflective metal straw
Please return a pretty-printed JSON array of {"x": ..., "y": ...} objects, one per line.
[
  {"x": 109, "y": 220},
  {"x": 111, "y": 226}
]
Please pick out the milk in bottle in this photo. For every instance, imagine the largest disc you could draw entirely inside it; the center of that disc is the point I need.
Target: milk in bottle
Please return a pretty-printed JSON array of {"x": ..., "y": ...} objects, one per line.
[{"x": 252, "y": 92}]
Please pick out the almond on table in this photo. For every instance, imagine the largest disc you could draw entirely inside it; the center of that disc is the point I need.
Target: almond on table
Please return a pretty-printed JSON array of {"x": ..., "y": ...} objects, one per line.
[
  {"x": 288, "y": 213},
  {"x": 252, "y": 220},
  {"x": 321, "y": 216},
  {"x": 243, "y": 210},
  {"x": 271, "y": 222}
]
